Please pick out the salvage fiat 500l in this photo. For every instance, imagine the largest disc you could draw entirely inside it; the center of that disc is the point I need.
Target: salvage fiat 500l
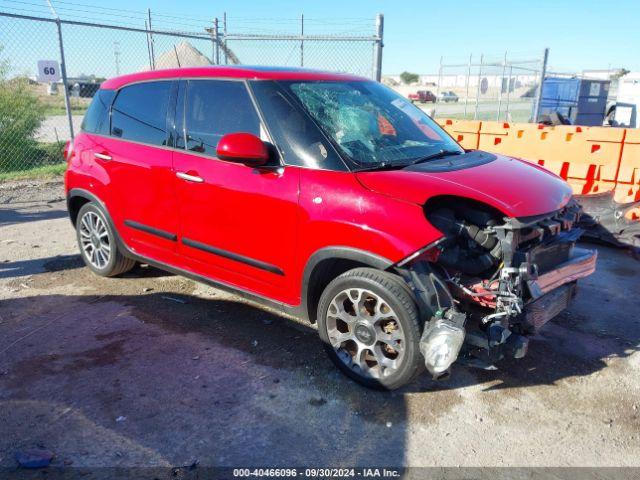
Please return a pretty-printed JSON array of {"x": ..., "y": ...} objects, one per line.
[{"x": 333, "y": 198}]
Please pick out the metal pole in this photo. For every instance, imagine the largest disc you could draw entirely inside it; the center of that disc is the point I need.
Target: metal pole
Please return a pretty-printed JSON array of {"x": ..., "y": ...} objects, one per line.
[
  {"x": 224, "y": 36},
  {"x": 543, "y": 73},
  {"x": 153, "y": 54},
  {"x": 146, "y": 27},
  {"x": 216, "y": 36},
  {"x": 379, "y": 44},
  {"x": 63, "y": 71},
  {"x": 438, "y": 86},
  {"x": 506, "y": 113},
  {"x": 466, "y": 97},
  {"x": 475, "y": 113},
  {"x": 302, "y": 40},
  {"x": 504, "y": 67}
]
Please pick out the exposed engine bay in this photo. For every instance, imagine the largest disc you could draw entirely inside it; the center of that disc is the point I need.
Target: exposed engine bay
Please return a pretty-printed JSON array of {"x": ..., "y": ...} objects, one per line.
[{"x": 492, "y": 280}]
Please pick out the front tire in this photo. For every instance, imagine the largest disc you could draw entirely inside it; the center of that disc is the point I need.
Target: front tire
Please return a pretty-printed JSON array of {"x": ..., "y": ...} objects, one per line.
[
  {"x": 370, "y": 328},
  {"x": 97, "y": 242}
]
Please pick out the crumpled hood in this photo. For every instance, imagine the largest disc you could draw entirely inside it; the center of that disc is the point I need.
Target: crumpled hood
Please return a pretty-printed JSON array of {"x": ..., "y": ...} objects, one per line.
[{"x": 515, "y": 187}]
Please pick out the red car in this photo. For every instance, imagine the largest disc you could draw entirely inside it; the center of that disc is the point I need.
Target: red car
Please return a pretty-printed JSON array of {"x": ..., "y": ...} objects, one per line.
[
  {"x": 330, "y": 197},
  {"x": 422, "y": 96}
]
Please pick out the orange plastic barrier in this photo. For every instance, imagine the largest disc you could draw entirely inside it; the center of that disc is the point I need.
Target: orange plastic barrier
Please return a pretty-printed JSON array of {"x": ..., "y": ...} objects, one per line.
[
  {"x": 586, "y": 157},
  {"x": 590, "y": 159},
  {"x": 628, "y": 179},
  {"x": 465, "y": 132},
  {"x": 510, "y": 139}
]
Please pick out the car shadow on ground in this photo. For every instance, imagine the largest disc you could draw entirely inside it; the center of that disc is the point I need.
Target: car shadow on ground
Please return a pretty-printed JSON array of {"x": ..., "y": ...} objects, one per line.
[
  {"x": 227, "y": 382},
  {"x": 23, "y": 268},
  {"x": 10, "y": 216},
  {"x": 218, "y": 379}
]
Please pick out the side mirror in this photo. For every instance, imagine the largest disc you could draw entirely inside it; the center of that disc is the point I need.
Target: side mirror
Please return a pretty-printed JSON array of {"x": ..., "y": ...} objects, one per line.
[{"x": 243, "y": 148}]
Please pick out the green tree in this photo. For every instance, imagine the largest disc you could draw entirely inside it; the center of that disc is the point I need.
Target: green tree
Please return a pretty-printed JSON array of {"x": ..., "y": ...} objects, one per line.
[
  {"x": 21, "y": 114},
  {"x": 409, "y": 78}
]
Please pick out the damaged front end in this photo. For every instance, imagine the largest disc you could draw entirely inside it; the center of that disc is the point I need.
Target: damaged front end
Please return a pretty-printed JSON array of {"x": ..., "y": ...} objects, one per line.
[{"x": 492, "y": 281}]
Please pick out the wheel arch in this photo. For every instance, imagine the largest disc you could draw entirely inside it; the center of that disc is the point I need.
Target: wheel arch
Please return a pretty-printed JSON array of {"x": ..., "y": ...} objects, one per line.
[
  {"x": 77, "y": 197},
  {"x": 325, "y": 265}
]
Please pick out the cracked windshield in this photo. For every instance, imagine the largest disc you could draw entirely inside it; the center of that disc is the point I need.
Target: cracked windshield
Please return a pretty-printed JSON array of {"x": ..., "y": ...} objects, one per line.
[{"x": 372, "y": 125}]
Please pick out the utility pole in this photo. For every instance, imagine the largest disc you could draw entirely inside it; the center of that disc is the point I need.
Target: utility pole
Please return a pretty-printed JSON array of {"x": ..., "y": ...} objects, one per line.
[
  {"x": 224, "y": 36},
  {"x": 216, "y": 42}
]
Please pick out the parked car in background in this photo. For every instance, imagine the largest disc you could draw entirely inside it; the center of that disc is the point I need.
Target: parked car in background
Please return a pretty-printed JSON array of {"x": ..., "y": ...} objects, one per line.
[
  {"x": 422, "y": 96},
  {"x": 448, "y": 97},
  {"x": 332, "y": 198}
]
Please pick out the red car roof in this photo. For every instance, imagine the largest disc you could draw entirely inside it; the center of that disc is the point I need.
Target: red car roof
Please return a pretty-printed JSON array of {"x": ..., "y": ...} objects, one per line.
[{"x": 258, "y": 73}]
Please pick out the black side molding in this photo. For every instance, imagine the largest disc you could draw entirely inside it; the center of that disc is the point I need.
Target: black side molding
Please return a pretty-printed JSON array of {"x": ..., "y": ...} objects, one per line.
[
  {"x": 153, "y": 231},
  {"x": 233, "y": 256}
]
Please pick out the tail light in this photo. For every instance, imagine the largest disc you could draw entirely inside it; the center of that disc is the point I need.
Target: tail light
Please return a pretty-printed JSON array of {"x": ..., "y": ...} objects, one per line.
[{"x": 68, "y": 150}]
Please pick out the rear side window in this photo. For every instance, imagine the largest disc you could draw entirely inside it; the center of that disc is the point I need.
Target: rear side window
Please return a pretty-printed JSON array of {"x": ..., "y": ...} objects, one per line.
[
  {"x": 139, "y": 113},
  {"x": 215, "y": 108},
  {"x": 96, "y": 119}
]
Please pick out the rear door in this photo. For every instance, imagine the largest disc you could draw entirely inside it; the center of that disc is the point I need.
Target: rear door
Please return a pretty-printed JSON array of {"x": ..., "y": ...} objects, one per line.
[
  {"x": 237, "y": 224},
  {"x": 139, "y": 163}
]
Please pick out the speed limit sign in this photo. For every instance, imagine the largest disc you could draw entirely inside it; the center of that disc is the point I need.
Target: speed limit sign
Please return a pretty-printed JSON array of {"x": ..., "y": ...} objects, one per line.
[{"x": 48, "y": 71}]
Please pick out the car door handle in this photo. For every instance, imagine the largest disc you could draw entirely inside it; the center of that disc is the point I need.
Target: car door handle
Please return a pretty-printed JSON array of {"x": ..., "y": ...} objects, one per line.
[
  {"x": 189, "y": 178},
  {"x": 102, "y": 156}
]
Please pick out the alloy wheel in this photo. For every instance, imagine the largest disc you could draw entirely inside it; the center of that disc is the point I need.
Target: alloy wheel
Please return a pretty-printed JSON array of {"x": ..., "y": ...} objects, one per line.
[
  {"x": 365, "y": 333},
  {"x": 94, "y": 239}
]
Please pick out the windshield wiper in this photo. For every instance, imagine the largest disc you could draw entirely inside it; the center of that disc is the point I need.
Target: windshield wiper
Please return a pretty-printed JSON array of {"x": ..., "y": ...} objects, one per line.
[
  {"x": 398, "y": 165},
  {"x": 439, "y": 154},
  {"x": 384, "y": 166}
]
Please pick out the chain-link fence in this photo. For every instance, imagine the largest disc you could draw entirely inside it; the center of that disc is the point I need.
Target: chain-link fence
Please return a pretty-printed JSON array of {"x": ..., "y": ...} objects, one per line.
[
  {"x": 37, "y": 117},
  {"x": 482, "y": 87}
]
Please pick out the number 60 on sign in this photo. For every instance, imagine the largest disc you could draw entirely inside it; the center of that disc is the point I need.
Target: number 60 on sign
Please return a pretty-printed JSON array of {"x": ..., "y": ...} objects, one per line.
[{"x": 48, "y": 71}]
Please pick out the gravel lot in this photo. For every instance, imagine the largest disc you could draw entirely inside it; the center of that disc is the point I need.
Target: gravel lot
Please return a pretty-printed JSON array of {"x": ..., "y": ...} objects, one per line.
[{"x": 155, "y": 370}]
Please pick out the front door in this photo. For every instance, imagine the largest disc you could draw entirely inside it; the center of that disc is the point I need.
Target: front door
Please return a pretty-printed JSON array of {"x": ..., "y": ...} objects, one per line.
[{"x": 237, "y": 224}]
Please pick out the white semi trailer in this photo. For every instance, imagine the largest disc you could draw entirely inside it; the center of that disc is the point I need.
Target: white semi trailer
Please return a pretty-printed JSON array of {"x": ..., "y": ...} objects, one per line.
[{"x": 627, "y": 107}]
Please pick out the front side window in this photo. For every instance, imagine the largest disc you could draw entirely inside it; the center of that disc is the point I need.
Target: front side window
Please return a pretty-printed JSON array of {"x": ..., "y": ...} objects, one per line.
[
  {"x": 139, "y": 113},
  {"x": 298, "y": 139},
  {"x": 215, "y": 108},
  {"x": 372, "y": 125},
  {"x": 96, "y": 119}
]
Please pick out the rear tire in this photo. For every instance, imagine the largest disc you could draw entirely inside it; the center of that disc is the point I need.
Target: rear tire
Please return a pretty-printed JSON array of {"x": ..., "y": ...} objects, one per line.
[
  {"x": 370, "y": 328},
  {"x": 97, "y": 242}
]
